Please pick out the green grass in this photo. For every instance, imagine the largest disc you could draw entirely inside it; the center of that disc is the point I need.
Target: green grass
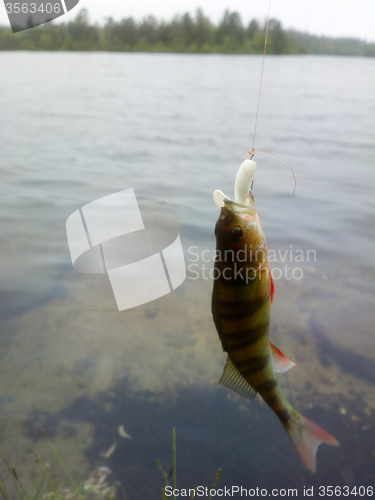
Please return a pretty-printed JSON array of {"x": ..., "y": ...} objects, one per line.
[
  {"x": 167, "y": 476},
  {"x": 46, "y": 487}
]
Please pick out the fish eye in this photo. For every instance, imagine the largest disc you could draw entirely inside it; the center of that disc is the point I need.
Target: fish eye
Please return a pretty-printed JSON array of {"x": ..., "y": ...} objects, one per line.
[{"x": 237, "y": 234}]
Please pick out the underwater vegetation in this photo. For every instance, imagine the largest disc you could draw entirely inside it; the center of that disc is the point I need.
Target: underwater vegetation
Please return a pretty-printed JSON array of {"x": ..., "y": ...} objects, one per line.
[
  {"x": 99, "y": 484},
  {"x": 200, "y": 452}
]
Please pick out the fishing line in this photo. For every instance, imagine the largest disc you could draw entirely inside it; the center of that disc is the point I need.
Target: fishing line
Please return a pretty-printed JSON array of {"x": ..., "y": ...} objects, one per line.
[
  {"x": 252, "y": 151},
  {"x": 261, "y": 73}
]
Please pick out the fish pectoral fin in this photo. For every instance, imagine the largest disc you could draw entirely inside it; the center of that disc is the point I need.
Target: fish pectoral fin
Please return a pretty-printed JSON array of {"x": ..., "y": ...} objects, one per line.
[
  {"x": 232, "y": 379},
  {"x": 280, "y": 363},
  {"x": 265, "y": 288}
]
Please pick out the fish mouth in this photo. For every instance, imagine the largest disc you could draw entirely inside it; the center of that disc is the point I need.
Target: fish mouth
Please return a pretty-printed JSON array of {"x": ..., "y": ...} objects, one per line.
[
  {"x": 239, "y": 208},
  {"x": 244, "y": 213}
]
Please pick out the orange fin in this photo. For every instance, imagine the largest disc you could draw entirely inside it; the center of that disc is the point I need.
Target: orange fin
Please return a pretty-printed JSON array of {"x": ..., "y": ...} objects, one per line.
[
  {"x": 265, "y": 285},
  {"x": 272, "y": 286},
  {"x": 306, "y": 437},
  {"x": 271, "y": 280},
  {"x": 280, "y": 363}
]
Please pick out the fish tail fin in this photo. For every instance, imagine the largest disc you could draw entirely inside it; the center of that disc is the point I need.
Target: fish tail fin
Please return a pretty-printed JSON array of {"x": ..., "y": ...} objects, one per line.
[{"x": 306, "y": 437}]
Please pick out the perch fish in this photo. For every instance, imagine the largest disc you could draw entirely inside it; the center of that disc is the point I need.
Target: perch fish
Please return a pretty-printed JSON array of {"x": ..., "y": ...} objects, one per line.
[{"x": 241, "y": 301}]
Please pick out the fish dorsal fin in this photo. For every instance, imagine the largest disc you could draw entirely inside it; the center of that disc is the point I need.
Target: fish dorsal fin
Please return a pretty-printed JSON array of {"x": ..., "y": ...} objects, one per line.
[
  {"x": 280, "y": 363},
  {"x": 232, "y": 379}
]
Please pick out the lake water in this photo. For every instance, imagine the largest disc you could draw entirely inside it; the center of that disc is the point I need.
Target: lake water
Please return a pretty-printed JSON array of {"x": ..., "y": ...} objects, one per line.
[{"x": 79, "y": 126}]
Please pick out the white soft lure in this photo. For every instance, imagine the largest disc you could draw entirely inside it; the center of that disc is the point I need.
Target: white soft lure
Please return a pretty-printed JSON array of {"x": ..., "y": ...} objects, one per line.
[{"x": 242, "y": 185}]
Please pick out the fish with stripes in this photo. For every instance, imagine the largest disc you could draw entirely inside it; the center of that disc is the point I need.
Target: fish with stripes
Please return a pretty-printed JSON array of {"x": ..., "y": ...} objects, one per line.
[{"x": 241, "y": 301}]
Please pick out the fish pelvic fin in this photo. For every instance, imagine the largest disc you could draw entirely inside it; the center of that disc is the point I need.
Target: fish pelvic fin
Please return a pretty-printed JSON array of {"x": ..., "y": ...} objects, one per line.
[
  {"x": 232, "y": 379},
  {"x": 306, "y": 437},
  {"x": 280, "y": 363}
]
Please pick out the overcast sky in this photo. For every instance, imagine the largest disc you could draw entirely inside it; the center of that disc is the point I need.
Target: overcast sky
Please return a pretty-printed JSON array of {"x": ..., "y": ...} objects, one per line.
[{"x": 344, "y": 18}]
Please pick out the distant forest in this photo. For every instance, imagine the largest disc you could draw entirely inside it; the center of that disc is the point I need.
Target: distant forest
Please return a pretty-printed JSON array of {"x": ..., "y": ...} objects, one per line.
[{"x": 184, "y": 33}]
